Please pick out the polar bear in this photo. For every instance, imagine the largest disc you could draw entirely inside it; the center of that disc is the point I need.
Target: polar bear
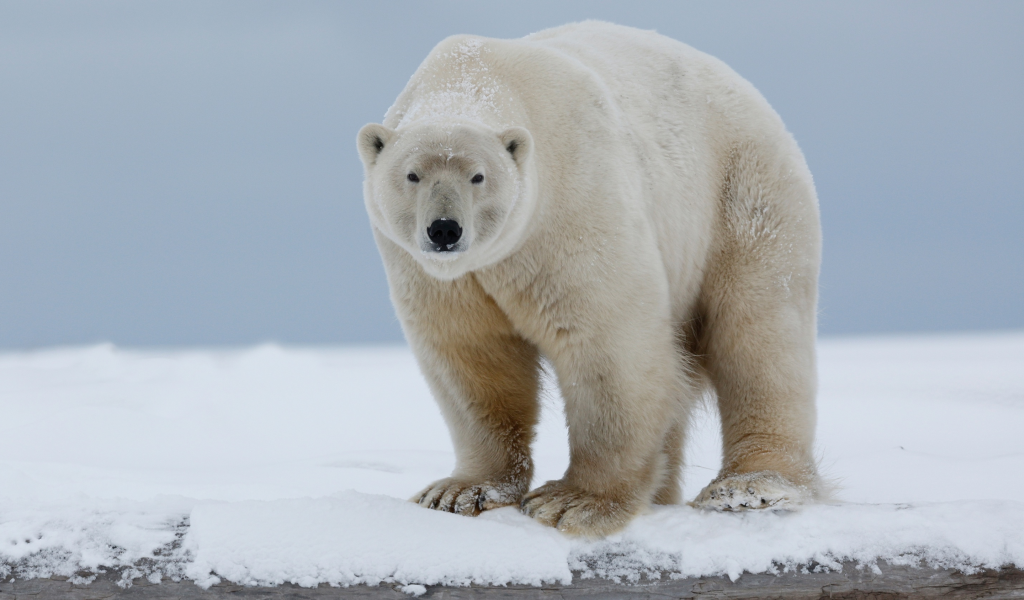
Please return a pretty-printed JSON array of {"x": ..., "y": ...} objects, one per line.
[{"x": 635, "y": 212}]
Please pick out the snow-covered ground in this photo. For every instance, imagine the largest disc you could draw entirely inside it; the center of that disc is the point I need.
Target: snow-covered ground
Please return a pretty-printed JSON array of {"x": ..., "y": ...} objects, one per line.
[{"x": 273, "y": 464}]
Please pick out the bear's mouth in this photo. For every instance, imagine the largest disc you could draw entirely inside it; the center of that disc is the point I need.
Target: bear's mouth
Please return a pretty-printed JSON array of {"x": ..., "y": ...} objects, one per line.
[
  {"x": 435, "y": 254},
  {"x": 433, "y": 248}
]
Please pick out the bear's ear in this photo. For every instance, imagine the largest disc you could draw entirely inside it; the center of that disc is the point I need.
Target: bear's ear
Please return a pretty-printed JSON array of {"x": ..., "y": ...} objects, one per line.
[
  {"x": 372, "y": 140},
  {"x": 518, "y": 142}
]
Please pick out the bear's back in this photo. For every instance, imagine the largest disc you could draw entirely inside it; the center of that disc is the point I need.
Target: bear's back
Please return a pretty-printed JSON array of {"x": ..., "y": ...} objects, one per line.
[{"x": 660, "y": 82}]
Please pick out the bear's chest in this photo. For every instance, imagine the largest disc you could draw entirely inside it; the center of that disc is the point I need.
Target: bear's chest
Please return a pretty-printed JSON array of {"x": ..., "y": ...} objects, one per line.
[{"x": 540, "y": 302}]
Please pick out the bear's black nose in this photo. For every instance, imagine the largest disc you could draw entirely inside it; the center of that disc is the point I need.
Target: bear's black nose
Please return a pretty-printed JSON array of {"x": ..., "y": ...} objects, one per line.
[{"x": 445, "y": 233}]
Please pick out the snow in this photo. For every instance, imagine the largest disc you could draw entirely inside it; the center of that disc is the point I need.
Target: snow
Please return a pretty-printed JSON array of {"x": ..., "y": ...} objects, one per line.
[
  {"x": 453, "y": 86},
  {"x": 268, "y": 465},
  {"x": 353, "y": 537}
]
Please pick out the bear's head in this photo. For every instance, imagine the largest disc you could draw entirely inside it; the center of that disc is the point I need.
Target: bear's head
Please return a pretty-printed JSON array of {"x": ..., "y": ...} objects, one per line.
[{"x": 457, "y": 197}]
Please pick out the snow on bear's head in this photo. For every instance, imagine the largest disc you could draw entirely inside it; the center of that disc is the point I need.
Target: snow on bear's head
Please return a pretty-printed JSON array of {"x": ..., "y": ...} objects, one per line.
[{"x": 455, "y": 196}]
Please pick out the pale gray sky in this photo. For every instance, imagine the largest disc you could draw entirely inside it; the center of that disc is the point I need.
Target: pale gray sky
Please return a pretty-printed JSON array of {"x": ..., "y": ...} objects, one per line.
[{"x": 184, "y": 173}]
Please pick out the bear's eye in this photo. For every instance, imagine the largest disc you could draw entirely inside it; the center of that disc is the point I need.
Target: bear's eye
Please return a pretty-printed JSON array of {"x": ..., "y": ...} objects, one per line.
[
  {"x": 478, "y": 178},
  {"x": 412, "y": 177}
]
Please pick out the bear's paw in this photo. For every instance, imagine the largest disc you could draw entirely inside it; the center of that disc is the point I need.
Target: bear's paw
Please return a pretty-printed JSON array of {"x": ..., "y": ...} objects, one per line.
[
  {"x": 578, "y": 512},
  {"x": 750, "y": 491},
  {"x": 466, "y": 497}
]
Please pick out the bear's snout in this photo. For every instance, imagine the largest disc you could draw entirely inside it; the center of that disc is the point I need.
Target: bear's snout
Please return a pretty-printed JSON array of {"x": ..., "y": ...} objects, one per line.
[{"x": 444, "y": 233}]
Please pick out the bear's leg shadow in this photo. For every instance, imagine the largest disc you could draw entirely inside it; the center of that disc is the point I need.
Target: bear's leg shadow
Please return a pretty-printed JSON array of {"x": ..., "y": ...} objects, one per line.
[
  {"x": 670, "y": 491},
  {"x": 485, "y": 378}
]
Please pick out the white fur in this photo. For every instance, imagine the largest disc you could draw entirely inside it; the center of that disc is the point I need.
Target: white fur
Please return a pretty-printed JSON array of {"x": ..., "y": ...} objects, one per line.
[{"x": 645, "y": 222}]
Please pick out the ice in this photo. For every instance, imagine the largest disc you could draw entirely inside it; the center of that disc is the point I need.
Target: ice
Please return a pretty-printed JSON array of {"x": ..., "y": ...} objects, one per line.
[
  {"x": 43, "y": 539},
  {"x": 273, "y": 464},
  {"x": 414, "y": 589}
]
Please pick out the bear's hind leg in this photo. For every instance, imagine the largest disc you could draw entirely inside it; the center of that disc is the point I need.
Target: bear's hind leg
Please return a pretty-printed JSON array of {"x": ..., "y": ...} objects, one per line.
[
  {"x": 764, "y": 378},
  {"x": 758, "y": 336}
]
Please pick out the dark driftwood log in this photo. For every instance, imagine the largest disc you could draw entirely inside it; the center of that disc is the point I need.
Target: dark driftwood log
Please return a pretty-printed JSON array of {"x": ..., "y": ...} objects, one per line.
[{"x": 894, "y": 582}]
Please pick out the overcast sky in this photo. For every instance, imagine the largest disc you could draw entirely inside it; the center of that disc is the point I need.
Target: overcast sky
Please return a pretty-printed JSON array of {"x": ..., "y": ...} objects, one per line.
[{"x": 185, "y": 173}]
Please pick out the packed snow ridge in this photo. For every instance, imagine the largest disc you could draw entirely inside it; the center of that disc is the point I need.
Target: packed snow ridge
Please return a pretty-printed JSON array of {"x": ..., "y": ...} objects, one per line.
[{"x": 272, "y": 465}]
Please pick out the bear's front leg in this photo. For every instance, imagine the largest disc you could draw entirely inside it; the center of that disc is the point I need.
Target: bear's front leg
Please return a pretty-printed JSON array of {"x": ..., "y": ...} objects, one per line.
[
  {"x": 622, "y": 400},
  {"x": 485, "y": 378}
]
